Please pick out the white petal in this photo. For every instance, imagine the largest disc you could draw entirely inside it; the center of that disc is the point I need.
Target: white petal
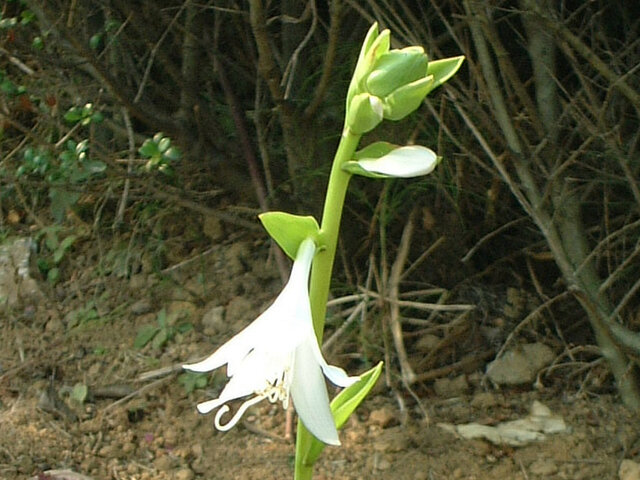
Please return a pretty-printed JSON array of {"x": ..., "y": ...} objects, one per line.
[
  {"x": 277, "y": 328},
  {"x": 408, "y": 161},
  {"x": 233, "y": 350},
  {"x": 310, "y": 398},
  {"x": 336, "y": 375},
  {"x": 206, "y": 407}
]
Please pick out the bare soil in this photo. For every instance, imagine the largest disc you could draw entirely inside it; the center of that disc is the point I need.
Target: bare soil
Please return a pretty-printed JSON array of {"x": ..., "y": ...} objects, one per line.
[{"x": 138, "y": 425}]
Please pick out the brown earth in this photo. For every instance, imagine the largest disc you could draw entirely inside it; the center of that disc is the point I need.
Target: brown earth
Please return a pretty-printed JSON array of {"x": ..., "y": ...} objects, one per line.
[{"x": 137, "y": 420}]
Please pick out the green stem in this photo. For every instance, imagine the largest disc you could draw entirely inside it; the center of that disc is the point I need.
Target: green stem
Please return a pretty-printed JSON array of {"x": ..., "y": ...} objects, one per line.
[
  {"x": 329, "y": 229},
  {"x": 322, "y": 268}
]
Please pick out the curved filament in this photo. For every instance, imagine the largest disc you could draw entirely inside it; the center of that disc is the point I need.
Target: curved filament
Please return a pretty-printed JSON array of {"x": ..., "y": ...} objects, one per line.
[{"x": 243, "y": 408}]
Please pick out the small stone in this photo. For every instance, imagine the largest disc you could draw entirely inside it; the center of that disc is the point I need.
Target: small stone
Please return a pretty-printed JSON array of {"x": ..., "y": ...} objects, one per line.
[
  {"x": 426, "y": 343},
  {"x": 197, "y": 450},
  {"x": 163, "y": 463},
  {"x": 383, "y": 464},
  {"x": 137, "y": 282},
  {"x": 421, "y": 475},
  {"x": 212, "y": 227},
  {"x": 184, "y": 474},
  {"x": 54, "y": 325},
  {"x": 520, "y": 365},
  {"x": 484, "y": 400},
  {"x": 108, "y": 451},
  {"x": 170, "y": 436},
  {"x": 457, "y": 473},
  {"x": 629, "y": 470},
  {"x": 213, "y": 321},
  {"x": 181, "y": 310},
  {"x": 128, "y": 447},
  {"x": 382, "y": 417},
  {"x": 141, "y": 307},
  {"x": 451, "y": 387},
  {"x": 543, "y": 468},
  {"x": 239, "y": 311}
]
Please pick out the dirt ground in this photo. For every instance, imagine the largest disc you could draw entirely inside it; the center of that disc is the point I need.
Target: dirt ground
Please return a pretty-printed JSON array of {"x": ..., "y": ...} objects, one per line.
[{"x": 136, "y": 419}]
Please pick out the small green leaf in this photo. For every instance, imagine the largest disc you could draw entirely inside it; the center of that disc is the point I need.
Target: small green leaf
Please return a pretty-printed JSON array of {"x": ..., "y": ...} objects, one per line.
[
  {"x": 97, "y": 117},
  {"x": 145, "y": 334},
  {"x": 289, "y": 230},
  {"x": 53, "y": 275},
  {"x": 95, "y": 41},
  {"x": 164, "y": 144},
  {"x": 37, "y": 43},
  {"x": 172, "y": 153},
  {"x": 79, "y": 393},
  {"x": 193, "y": 380},
  {"x": 343, "y": 405},
  {"x": 161, "y": 338},
  {"x": 149, "y": 149},
  {"x": 162, "y": 318},
  {"x": 63, "y": 247},
  {"x": 73, "y": 115},
  {"x": 184, "y": 327}
]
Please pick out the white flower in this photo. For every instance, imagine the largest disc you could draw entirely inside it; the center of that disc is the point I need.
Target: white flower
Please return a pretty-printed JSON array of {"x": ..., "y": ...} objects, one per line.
[
  {"x": 278, "y": 355},
  {"x": 408, "y": 161}
]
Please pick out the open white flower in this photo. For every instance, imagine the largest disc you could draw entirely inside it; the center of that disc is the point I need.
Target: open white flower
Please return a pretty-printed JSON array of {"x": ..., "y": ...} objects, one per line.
[{"x": 278, "y": 355}]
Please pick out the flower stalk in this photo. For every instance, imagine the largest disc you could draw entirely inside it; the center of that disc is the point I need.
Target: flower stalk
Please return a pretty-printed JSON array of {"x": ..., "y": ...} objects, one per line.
[{"x": 278, "y": 356}]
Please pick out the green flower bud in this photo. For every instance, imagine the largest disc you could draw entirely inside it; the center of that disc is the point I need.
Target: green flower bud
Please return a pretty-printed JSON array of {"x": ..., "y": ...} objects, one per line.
[
  {"x": 364, "y": 113},
  {"x": 406, "y": 99},
  {"x": 395, "y": 69},
  {"x": 373, "y": 47}
]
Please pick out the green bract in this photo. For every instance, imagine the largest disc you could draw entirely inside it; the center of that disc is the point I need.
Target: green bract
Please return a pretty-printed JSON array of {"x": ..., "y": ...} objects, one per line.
[
  {"x": 443, "y": 69},
  {"x": 406, "y": 99},
  {"x": 365, "y": 114},
  {"x": 289, "y": 230},
  {"x": 343, "y": 405},
  {"x": 395, "y": 69}
]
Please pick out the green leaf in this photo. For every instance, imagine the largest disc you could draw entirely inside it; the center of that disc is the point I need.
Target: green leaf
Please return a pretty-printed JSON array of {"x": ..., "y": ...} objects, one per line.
[
  {"x": 63, "y": 247},
  {"x": 172, "y": 153},
  {"x": 149, "y": 149},
  {"x": 97, "y": 117},
  {"x": 79, "y": 393},
  {"x": 289, "y": 230},
  {"x": 61, "y": 200},
  {"x": 162, "y": 318},
  {"x": 343, "y": 405},
  {"x": 443, "y": 69},
  {"x": 161, "y": 338},
  {"x": 184, "y": 327},
  {"x": 53, "y": 275},
  {"x": 73, "y": 115},
  {"x": 164, "y": 144},
  {"x": 95, "y": 41},
  {"x": 37, "y": 43},
  {"x": 94, "y": 166},
  {"x": 193, "y": 380},
  {"x": 145, "y": 334}
]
